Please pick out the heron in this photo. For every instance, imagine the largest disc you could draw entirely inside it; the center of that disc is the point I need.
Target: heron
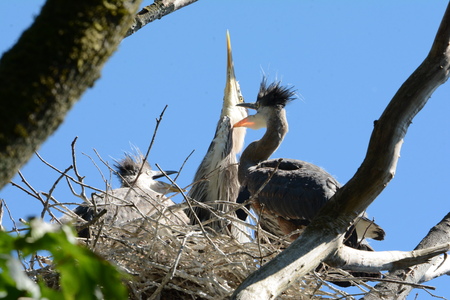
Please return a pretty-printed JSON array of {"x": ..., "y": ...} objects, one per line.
[
  {"x": 139, "y": 196},
  {"x": 296, "y": 190},
  {"x": 216, "y": 176}
]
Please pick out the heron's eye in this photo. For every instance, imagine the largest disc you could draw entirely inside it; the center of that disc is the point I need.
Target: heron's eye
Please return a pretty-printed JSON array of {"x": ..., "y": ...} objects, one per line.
[{"x": 241, "y": 99}]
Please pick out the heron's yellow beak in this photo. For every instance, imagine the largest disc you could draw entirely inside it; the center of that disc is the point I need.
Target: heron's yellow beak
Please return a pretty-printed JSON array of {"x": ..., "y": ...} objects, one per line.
[
  {"x": 232, "y": 97},
  {"x": 171, "y": 188},
  {"x": 232, "y": 94}
]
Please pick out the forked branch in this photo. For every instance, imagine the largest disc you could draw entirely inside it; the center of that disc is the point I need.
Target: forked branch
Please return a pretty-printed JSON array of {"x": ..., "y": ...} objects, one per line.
[{"x": 323, "y": 236}]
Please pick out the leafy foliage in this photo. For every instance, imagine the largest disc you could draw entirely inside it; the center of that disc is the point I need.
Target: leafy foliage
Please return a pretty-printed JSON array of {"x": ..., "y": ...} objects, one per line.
[{"x": 83, "y": 274}]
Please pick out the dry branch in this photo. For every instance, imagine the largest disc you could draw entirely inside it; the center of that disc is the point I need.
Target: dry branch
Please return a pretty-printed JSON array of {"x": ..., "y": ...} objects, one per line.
[
  {"x": 1, "y": 215},
  {"x": 367, "y": 261},
  {"x": 436, "y": 267},
  {"x": 149, "y": 148},
  {"x": 323, "y": 236},
  {"x": 155, "y": 11}
]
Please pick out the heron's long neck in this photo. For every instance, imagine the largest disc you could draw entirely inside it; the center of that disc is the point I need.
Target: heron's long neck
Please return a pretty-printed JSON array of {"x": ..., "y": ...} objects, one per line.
[{"x": 261, "y": 150}]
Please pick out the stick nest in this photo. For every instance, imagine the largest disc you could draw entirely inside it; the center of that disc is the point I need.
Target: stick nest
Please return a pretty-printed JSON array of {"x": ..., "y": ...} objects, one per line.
[{"x": 168, "y": 261}]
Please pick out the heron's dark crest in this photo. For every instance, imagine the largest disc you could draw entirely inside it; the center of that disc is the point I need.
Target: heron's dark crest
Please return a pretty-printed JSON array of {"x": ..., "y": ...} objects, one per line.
[
  {"x": 274, "y": 94},
  {"x": 137, "y": 198},
  {"x": 129, "y": 166}
]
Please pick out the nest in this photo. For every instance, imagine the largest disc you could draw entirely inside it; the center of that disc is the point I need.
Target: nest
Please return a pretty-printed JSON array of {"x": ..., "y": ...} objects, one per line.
[
  {"x": 168, "y": 261},
  {"x": 162, "y": 259}
]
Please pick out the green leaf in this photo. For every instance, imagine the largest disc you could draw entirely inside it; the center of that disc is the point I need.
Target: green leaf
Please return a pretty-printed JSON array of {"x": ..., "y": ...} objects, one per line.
[{"x": 83, "y": 274}]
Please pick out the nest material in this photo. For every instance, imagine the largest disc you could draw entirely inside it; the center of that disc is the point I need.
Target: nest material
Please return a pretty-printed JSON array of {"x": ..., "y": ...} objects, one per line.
[{"x": 165, "y": 261}]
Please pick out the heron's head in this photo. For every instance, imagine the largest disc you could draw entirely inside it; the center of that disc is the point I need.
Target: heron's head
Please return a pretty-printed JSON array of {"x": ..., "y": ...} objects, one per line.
[
  {"x": 271, "y": 99},
  {"x": 128, "y": 170}
]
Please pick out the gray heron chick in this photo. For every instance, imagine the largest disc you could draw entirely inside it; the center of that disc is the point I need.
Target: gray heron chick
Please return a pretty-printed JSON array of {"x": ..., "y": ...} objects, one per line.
[
  {"x": 297, "y": 190},
  {"x": 216, "y": 176},
  {"x": 128, "y": 169},
  {"x": 138, "y": 198}
]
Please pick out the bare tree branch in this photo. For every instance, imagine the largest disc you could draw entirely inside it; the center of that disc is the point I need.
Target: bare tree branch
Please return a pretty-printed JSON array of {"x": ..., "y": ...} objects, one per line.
[
  {"x": 324, "y": 235},
  {"x": 372, "y": 261},
  {"x": 158, "y": 122},
  {"x": 156, "y": 10},
  {"x": 1, "y": 216},
  {"x": 420, "y": 273}
]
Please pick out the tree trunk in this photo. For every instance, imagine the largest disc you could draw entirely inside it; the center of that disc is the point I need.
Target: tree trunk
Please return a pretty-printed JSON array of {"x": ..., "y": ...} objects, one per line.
[{"x": 49, "y": 68}]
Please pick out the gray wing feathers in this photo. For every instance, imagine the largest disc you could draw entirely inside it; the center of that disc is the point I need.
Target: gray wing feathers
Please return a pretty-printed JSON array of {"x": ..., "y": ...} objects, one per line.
[
  {"x": 216, "y": 179},
  {"x": 213, "y": 171},
  {"x": 125, "y": 205},
  {"x": 297, "y": 190}
]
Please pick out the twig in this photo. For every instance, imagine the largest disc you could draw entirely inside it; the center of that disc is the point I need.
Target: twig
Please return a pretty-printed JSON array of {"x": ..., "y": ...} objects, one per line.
[
  {"x": 196, "y": 217},
  {"x": 158, "y": 121},
  {"x": 15, "y": 229},
  {"x": 1, "y": 215},
  {"x": 107, "y": 183},
  {"x": 75, "y": 168},
  {"x": 49, "y": 195},
  {"x": 433, "y": 295},
  {"x": 94, "y": 220},
  {"x": 254, "y": 196},
  {"x": 61, "y": 206},
  {"x": 342, "y": 294},
  {"x": 412, "y": 284},
  {"x": 182, "y": 165},
  {"x": 171, "y": 273},
  {"x": 69, "y": 177},
  {"x": 34, "y": 193}
]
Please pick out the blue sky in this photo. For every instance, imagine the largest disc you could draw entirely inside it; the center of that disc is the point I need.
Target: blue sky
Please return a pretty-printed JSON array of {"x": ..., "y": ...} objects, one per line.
[{"x": 345, "y": 59}]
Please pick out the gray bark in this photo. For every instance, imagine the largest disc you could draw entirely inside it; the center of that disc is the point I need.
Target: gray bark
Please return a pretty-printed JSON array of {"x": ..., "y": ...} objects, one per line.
[
  {"x": 54, "y": 62},
  {"x": 436, "y": 267},
  {"x": 49, "y": 68},
  {"x": 323, "y": 236},
  {"x": 155, "y": 11}
]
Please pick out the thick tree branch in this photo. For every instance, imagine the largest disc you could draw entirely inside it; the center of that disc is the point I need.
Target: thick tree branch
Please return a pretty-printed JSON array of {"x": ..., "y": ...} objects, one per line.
[
  {"x": 156, "y": 10},
  {"x": 52, "y": 64},
  {"x": 438, "y": 266},
  {"x": 323, "y": 236},
  {"x": 367, "y": 261}
]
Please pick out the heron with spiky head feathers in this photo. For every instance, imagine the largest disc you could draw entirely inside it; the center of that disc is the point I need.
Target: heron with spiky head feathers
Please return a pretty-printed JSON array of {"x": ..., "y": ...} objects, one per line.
[
  {"x": 140, "y": 197},
  {"x": 297, "y": 190},
  {"x": 128, "y": 170},
  {"x": 216, "y": 177}
]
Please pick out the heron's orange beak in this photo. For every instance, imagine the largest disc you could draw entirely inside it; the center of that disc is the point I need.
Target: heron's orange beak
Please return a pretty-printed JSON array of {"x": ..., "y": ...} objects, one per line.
[
  {"x": 246, "y": 122},
  {"x": 255, "y": 121}
]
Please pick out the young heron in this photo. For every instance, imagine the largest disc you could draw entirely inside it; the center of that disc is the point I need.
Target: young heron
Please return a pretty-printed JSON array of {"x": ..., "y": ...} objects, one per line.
[
  {"x": 139, "y": 197},
  {"x": 216, "y": 177},
  {"x": 297, "y": 190}
]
